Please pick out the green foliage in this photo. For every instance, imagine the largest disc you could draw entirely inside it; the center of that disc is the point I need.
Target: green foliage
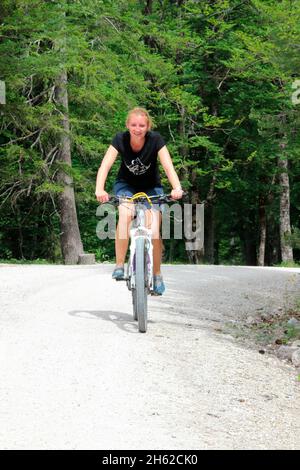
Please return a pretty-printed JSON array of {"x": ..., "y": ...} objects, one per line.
[
  {"x": 289, "y": 264},
  {"x": 217, "y": 78}
]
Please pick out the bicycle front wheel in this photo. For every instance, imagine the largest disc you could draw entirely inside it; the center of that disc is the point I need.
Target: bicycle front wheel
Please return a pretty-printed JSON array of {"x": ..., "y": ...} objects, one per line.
[
  {"x": 134, "y": 305},
  {"x": 140, "y": 285}
]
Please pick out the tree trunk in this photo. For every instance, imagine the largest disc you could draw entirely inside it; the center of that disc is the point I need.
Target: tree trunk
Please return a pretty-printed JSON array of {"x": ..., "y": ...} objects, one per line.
[
  {"x": 250, "y": 248},
  {"x": 273, "y": 243},
  {"x": 148, "y": 7},
  {"x": 262, "y": 232},
  {"x": 209, "y": 238},
  {"x": 20, "y": 232},
  {"x": 171, "y": 250},
  {"x": 194, "y": 256},
  {"x": 247, "y": 236},
  {"x": 285, "y": 225},
  {"x": 71, "y": 244},
  {"x": 209, "y": 225}
]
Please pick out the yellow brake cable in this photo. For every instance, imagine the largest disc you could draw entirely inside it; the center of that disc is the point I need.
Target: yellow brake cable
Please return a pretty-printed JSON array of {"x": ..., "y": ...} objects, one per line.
[{"x": 137, "y": 195}]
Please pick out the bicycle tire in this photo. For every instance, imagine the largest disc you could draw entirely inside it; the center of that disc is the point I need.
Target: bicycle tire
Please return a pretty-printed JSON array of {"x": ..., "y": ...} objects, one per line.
[
  {"x": 134, "y": 306},
  {"x": 140, "y": 285}
]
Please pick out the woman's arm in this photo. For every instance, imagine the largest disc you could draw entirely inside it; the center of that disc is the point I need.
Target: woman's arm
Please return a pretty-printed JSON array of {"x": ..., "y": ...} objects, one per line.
[
  {"x": 107, "y": 162},
  {"x": 167, "y": 164}
]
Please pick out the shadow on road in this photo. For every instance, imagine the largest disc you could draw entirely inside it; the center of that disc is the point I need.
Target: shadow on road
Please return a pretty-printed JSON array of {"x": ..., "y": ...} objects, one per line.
[{"x": 122, "y": 320}]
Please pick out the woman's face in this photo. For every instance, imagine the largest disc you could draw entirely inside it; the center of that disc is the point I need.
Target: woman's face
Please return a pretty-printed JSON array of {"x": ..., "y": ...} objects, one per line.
[{"x": 137, "y": 125}]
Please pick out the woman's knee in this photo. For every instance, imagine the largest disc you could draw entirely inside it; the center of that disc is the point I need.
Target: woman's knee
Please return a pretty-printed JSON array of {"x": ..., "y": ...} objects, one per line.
[
  {"x": 155, "y": 225},
  {"x": 125, "y": 218},
  {"x": 125, "y": 213}
]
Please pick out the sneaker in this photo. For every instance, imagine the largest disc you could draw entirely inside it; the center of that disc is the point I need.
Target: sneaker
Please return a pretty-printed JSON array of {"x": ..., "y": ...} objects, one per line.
[
  {"x": 118, "y": 273},
  {"x": 158, "y": 285}
]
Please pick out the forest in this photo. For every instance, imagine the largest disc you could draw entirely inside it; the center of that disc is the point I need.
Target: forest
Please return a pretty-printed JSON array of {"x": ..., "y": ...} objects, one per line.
[{"x": 221, "y": 80}]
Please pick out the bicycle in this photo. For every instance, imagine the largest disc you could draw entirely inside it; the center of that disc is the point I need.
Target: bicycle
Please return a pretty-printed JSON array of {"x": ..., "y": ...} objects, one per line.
[{"x": 139, "y": 278}]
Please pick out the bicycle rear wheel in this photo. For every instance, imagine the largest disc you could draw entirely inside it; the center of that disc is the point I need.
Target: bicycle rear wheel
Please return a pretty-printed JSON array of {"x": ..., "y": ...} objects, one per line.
[{"x": 140, "y": 285}]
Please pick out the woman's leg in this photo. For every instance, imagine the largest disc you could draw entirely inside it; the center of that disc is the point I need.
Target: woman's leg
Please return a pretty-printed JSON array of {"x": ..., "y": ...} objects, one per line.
[
  {"x": 153, "y": 218},
  {"x": 122, "y": 189},
  {"x": 122, "y": 233},
  {"x": 157, "y": 255}
]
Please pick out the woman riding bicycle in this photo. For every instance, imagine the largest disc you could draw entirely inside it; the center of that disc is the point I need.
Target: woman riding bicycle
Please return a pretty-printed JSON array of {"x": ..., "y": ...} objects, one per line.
[{"x": 139, "y": 148}]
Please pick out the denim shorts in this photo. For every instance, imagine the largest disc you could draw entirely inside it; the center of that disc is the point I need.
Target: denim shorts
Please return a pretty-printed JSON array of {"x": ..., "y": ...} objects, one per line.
[{"x": 122, "y": 188}]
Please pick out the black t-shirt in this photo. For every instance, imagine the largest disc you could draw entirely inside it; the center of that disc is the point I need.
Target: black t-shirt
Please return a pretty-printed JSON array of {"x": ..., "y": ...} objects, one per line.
[{"x": 139, "y": 169}]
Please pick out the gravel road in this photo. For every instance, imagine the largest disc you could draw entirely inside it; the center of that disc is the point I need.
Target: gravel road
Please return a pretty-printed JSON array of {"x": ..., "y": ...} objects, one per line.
[{"x": 76, "y": 374}]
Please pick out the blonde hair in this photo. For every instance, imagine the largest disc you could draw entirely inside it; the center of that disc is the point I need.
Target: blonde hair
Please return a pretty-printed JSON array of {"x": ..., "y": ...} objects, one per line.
[{"x": 140, "y": 112}]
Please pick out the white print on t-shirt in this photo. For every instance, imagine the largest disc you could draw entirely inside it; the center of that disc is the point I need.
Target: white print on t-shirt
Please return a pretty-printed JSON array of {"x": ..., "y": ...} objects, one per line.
[{"x": 137, "y": 167}]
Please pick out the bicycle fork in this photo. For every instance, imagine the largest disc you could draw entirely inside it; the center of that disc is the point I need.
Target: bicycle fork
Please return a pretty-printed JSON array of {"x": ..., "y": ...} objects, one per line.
[{"x": 134, "y": 234}]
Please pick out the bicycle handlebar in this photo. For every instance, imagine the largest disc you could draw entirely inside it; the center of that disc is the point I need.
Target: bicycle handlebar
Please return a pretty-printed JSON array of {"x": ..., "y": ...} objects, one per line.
[{"x": 159, "y": 198}]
